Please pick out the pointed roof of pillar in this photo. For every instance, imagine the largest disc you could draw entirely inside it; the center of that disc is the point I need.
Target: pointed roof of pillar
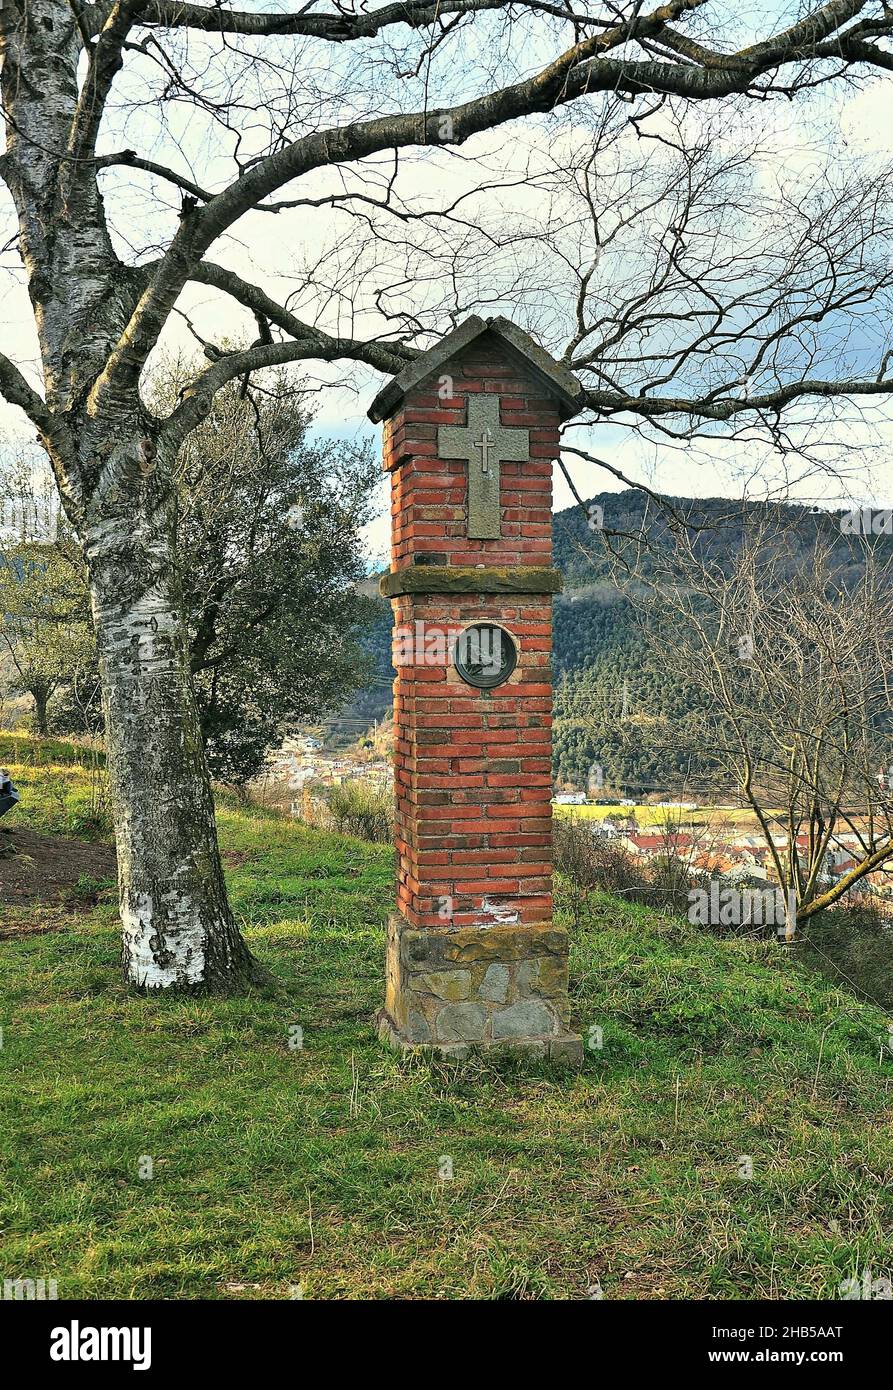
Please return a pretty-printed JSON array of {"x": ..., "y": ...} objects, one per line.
[{"x": 553, "y": 375}]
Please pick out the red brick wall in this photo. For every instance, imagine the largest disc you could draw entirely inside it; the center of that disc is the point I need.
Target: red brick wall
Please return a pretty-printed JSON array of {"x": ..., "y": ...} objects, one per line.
[
  {"x": 429, "y": 495},
  {"x": 473, "y": 767}
]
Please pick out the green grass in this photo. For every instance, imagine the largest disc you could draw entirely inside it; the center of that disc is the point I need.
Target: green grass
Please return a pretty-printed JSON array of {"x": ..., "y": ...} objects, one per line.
[
  {"x": 30, "y": 750},
  {"x": 319, "y": 1167},
  {"x": 60, "y": 797}
]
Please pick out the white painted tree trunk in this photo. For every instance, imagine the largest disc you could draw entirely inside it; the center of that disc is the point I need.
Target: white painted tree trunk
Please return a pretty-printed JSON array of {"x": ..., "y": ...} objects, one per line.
[{"x": 178, "y": 931}]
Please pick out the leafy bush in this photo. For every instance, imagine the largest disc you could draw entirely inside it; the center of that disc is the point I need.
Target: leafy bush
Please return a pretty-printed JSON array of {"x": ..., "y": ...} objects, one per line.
[{"x": 362, "y": 809}]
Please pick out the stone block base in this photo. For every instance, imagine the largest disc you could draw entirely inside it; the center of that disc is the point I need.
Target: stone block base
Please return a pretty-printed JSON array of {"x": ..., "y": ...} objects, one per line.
[{"x": 493, "y": 989}]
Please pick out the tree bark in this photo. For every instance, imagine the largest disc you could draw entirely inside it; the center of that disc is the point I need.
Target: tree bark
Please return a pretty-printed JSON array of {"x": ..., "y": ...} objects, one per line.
[
  {"x": 41, "y": 700},
  {"x": 178, "y": 931}
]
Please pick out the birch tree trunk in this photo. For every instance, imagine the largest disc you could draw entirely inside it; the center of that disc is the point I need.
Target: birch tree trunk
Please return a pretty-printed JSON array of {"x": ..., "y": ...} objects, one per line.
[{"x": 178, "y": 931}]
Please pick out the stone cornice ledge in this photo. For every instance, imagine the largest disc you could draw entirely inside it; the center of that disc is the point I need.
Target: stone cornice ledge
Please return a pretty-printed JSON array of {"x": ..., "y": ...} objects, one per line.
[{"x": 471, "y": 579}]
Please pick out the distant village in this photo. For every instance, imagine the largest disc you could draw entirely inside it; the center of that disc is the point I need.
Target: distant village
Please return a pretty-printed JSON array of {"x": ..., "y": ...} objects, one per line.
[
  {"x": 742, "y": 859},
  {"x": 307, "y": 766}
]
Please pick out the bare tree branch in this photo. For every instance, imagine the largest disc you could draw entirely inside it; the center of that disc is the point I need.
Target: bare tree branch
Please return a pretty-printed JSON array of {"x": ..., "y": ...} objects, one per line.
[
  {"x": 105, "y": 62},
  {"x": 384, "y": 356},
  {"x": 335, "y": 28},
  {"x": 580, "y": 70},
  {"x": 725, "y": 408},
  {"x": 17, "y": 391}
]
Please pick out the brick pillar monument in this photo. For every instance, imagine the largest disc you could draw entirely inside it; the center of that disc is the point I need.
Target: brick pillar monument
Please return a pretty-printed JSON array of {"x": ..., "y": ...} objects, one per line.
[{"x": 474, "y": 958}]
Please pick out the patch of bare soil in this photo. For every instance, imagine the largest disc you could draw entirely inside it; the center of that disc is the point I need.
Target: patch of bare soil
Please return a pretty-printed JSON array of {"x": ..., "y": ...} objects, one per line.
[
  {"x": 234, "y": 858},
  {"x": 45, "y": 869}
]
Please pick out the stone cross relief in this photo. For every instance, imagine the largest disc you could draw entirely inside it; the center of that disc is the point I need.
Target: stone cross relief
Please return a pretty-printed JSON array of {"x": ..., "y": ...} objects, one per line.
[{"x": 483, "y": 443}]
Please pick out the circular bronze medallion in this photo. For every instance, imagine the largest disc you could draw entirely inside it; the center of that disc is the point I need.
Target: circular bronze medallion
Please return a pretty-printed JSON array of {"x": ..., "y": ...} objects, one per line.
[{"x": 485, "y": 655}]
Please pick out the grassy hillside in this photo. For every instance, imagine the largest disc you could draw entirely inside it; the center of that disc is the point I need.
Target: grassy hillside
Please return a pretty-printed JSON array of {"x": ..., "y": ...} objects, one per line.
[{"x": 319, "y": 1167}]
